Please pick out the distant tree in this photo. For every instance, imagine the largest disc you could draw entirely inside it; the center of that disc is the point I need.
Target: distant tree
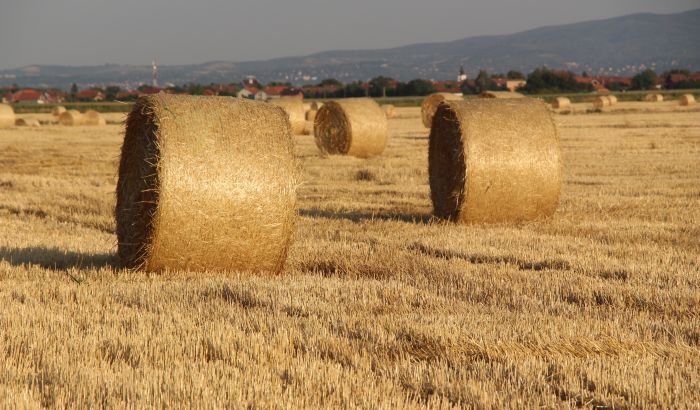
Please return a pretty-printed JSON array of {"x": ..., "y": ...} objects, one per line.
[
  {"x": 419, "y": 87},
  {"x": 678, "y": 71},
  {"x": 584, "y": 74},
  {"x": 111, "y": 92},
  {"x": 515, "y": 75},
  {"x": 73, "y": 92},
  {"x": 482, "y": 81},
  {"x": 277, "y": 83},
  {"x": 646, "y": 80},
  {"x": 330, "y": 82},
  {"x": 543, "y": 80},
  {"x": 379, "y": 85}
]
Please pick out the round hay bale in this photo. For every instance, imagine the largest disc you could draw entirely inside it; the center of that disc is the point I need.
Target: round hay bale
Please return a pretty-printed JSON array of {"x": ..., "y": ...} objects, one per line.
[
  {"x": 352, "y": 126},
  {"x": 500, "y": 94},
  {"x": 7, "y": 116},
  {"x": 653, "y": 98},
  {"x": 311, "y": 115},
  {"x": 612, "y": 99},
  {"x": 92, "y": 117},
  {"x": 494, "y": 161},
  {"x": 307, "y": 107},
  {"x": 71, "y": 118},
  {"x": 430, "y": 104},
  {"x": 294, "y": 107},
  {"x": 687, "y": 99},
  {"x": 308, "y": 128},
  {"x": 205, "y": 183},
  {"x": 601, "y": 101},
  {"x": 389, "y": 110},
  {"x": 58, "y": 110},
  {"x": 27, "y": 122},
  {"x": 316, "y": 105},
  {"x": 561, "y": 102}
]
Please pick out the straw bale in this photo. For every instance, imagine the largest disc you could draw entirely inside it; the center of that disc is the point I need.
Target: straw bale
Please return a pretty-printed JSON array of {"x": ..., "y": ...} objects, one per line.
[
  {"x": 7, "y": 116},
  {"x": 687, "y": 99},
  {"x": 351, "y": 126},
  {"x": 307, "y": 107},
  {"x": 92, "y": 117},
  {"x": 500, "y": 94},
  {"x": 27, "y": 122},
  {"x": 311, "y": 115},
  {"x": 612, "y": 99},
  {"x": 494, "y": 161},
  {"x": 389, "y": 110},
  {"x": 205, "y": 183},
  {"x": 58, "y": 110},
  {"x": 654, "y": 98},
  {"x": 308, "y": 128},
  {"x": 601, "y": 101},
  {"x": 294, "y": 107},
  {"x": 316, "y": 105},
  {"x": 561, "y": 102},
  {"x": 71, "y": 118},
  {"x": 430, "y": 104}
]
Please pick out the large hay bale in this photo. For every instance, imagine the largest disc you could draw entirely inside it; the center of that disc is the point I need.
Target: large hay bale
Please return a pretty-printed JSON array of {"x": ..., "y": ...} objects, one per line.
[
  {"x": 687, "y": 99},
  {"x": 389, "y": 110},
  {"x": 430, "y": 104},
  {"x": 494, "y": 161},
  {"x": 205, "y": 183},
  {"x": 27, "y": 122},
  {"x": 71, "y": 118},
  {"x": 7, "y": 116},
  {"x": 294, "y": 107},
  {"x": 58, "y": 110},
  {"x": 601, "y": 101},
  {"x": 92, "y": 117},
  {"x": 311, "y": 115},
  {"x": 500, "y": 94},
  {"x": 653, "y": 98},
  {"x": 351, "y": 126},
  {"x": 612, "y": 99},
  {"x": 561, "y": 102}
]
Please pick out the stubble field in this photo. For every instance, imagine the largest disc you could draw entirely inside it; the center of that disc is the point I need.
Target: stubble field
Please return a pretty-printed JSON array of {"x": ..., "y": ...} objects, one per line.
[{"x": 380, "y": 306}]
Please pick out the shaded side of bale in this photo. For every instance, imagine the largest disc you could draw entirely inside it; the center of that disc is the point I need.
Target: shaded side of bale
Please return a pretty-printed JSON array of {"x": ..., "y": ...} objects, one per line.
[
  {"x": 500, "y": 94},
  {"x": 561, "y": 102},
  {"x": 92, "y": 117},
  {"x": 601, "y": 101},
  {"x": 27, "y": 122},
  {"x": 311, "y": 115},
  {"x": 58, "y": 110},
  {"x": 430, "y": 104},
  {"x": 316, "y": 105},
  {"x": 205, "y": 183},
  {"x": 71, "y": 118},
  {"x": 294, "y": 107},
  {"x": 351, "y": 126},
  {"x": 687, "y": 99},
  {"x": 389, "y": 110},
  {"x": 494, "y": 161},
  {"x": 612, "y": 99},
  {"x": 7, "y": 116},
  {"x": 653, "y": 98}
]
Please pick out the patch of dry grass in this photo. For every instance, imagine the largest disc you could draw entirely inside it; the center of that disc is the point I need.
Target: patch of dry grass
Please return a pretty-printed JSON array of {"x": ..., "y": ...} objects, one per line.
[{"x": 380, "y": 305}]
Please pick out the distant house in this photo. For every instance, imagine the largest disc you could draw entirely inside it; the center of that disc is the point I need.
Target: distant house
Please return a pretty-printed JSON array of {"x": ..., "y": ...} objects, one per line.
[
  {"x": 54, "y": 96},
  {"x": 28, "y": 96},
  {"x": 90, "y": 95},
  {"x": 449, "y": 86},
  {"x": 128, "y": 95},
  {"x": 247, "y": 92}
]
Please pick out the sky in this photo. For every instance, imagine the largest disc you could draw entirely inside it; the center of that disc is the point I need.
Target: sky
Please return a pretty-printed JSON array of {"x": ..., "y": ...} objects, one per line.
[{"x": 97, "y": 32}]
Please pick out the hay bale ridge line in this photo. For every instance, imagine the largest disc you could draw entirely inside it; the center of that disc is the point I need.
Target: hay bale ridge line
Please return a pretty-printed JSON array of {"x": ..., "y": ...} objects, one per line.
[{"x": 430, "y": 104}]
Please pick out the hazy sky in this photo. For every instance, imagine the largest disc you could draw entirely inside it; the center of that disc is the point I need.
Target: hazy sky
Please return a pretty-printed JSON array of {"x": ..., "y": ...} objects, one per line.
[{"x": 95, "y": 32}]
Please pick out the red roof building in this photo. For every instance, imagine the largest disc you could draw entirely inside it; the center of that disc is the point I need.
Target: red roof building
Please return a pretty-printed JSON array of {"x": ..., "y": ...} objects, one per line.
[
  {"x": 27, "y": 96},
  {"x": 90, "y": 95}
]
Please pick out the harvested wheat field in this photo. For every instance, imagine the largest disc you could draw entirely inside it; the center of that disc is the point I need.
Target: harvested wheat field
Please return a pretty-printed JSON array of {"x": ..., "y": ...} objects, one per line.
[{"x": 379, "y": 305}]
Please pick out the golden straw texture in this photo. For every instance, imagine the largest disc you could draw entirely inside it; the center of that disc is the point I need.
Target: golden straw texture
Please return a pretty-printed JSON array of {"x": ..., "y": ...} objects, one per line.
[
  {"x": 27, "y": 122},
  {"x": 561, "y": 102},
  {"x": 316, "y": 105},
  {"x": 430, "y": 104},
  {"x": 294, "y": 107},
  {"x": 7, "y": 116},
  {"x": 205, "y": 183},
  {"x": 58, "y": 110},
  {"x": 311, "y": 115},
  {"x": 389, "y": 110},
  {"x": 71, "y": 118},
  {"x": 687, "y": 99},
  {"x": 494, "y": 161},
  {"x": 601, "y": 101},
  {"x": 92, "y": 117},
  {"x": 654, "y": 98},
  {"x": 612, "y": 99},
  {"x": 351, "y": 126}
]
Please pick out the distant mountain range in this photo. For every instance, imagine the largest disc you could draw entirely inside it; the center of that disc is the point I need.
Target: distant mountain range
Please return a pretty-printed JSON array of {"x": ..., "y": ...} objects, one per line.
[{"x": 621, "y": 45}]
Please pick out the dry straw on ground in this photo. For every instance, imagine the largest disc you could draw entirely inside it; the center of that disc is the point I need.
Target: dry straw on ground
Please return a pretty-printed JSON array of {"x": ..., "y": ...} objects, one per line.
[
  {"x": 92, "y": 117},
  {"x": 601, "y": 101},
  {"x": 58, "y": 110},
  {"x": 311, "y": 115},
  {"x": 430, "y": 104},
  {"x": 494, "y": 161},
  {"x": 687, "y": 99},
  {"x": 294, "y": 107},
  {"x": 352, "y": 126},
  {"x": 654, "y": 98},
  {"x": 500, "y": 94},
  {"x": 27, "y": 122},
  {"x": 7, "y": 116},
  {"x": 205, "y": 183},
  {"x": 71, "y": 118},
  {"x": 561, "y": 102},
  {"x": 389, "y": 110}
]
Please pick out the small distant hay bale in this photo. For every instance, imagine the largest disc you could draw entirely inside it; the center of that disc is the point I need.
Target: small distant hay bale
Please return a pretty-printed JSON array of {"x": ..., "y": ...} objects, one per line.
[
  {"x": 351, "y": 126},
  {"x": 653, "y": 98},
  {"x": 58, "y": 110},
  {"x": 27, "y": 122},
  {"x": 601, "y": 101},
  {"x": 307, "y": 107},
  {"x": 92, "y": 117},
  {"x": 311, "y": 115},
  {"x": 308, "y": 128},
  {"x": 205, "y": 183},
  {"x": 430, "y": 104},
  {"x": 389, "y": 110},
  {"x": 561, "y": 102},
  {"x": 71, "y": 118},
  {"x": 7, "y": 116},
  {"x": 316, "y": 105},
  {"x": 500, "y": 94},
  {"x": 294, "y": 107},
  {"x": 494, "y": 161},
  {"x": 687, "y": 99},
  {"x": 612, "y": 99}
]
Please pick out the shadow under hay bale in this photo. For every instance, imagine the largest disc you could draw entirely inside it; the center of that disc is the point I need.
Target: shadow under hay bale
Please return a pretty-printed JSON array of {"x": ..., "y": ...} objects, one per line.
[
  {"x": 352, "y": 126},
  {"x": 71, "y": 118},
  {"x": 494, "y": 161},
  {"x": 294, "y": 107},
  {"x": 7, "y": 116},
  {"x": 206, "y": 183},
  {"x": 430, "y": 104}
]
